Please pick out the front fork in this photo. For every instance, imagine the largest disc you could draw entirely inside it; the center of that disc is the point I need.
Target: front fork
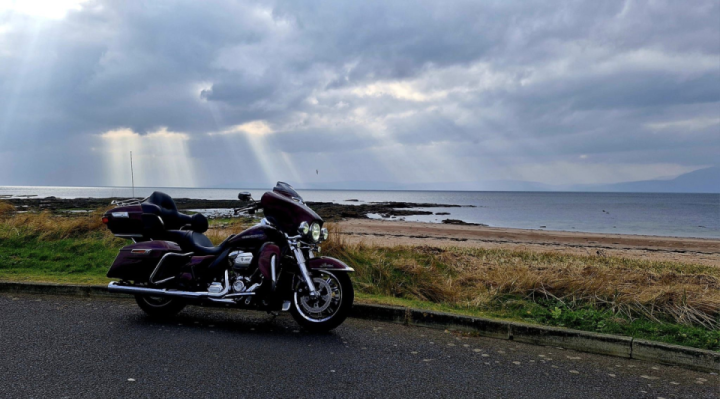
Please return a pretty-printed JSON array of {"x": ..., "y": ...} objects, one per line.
[{"x": 304, "y": 271}]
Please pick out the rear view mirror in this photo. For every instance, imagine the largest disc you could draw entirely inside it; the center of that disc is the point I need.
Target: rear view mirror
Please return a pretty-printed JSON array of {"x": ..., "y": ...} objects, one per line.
[{"x": 244, "y": 196}]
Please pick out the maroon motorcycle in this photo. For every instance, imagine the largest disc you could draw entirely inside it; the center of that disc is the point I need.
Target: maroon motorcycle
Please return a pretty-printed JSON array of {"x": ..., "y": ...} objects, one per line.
[{"x": 272, "y": 266}]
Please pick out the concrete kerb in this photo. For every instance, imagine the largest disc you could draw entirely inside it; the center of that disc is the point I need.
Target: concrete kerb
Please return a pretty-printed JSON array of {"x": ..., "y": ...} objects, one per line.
[
  {"x": 660, "y": 352},
  {"x": 58, "y": 289},
  {"x": 582, "y": 341}
]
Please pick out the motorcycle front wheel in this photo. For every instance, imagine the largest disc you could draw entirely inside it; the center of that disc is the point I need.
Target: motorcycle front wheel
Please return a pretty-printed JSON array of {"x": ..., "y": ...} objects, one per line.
[{"x": 330, "y": 308}]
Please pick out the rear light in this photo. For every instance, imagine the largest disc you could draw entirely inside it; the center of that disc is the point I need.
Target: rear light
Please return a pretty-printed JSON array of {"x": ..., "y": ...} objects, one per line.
[{"x": 105, "y": 220}]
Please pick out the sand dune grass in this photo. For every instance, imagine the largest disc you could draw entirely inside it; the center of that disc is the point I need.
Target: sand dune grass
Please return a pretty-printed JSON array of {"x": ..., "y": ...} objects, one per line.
[
  {"x": 477, "y": 278},
  {"x": 47, "y": 225},
  {"x": 466, "y": 277}
]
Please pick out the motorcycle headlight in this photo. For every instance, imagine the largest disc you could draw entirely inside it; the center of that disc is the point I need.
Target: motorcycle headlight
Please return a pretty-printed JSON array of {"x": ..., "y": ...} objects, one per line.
[
  {"x": 315, "y": 232},
  {"x": 324, "y": 233},
  {"x": 304, "y": 228}
]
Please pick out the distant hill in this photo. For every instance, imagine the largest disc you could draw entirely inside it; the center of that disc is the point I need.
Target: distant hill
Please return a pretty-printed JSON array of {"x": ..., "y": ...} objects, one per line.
[
  {"x": 700, "y": 181},
  {"x": 488, "y": 185}
]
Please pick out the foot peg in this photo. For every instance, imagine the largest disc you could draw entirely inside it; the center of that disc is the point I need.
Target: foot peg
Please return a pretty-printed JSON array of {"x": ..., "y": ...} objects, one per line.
[{"x": 286, "y": 306}]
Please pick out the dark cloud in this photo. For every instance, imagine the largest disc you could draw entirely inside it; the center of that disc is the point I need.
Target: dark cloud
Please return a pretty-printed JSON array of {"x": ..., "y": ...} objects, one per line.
[{"x": 417, "y": 89}]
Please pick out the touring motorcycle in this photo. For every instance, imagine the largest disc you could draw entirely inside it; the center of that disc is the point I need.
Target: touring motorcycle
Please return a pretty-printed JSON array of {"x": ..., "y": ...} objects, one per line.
[{"x": 273, "y": 266}]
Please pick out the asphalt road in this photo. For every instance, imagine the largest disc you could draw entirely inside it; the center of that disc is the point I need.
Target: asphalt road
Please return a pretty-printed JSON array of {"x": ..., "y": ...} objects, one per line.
[{"x": 57, "y": 347}]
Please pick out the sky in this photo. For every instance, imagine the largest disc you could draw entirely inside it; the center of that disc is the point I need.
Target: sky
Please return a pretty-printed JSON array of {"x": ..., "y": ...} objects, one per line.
[{"x": 245, "y": 93}]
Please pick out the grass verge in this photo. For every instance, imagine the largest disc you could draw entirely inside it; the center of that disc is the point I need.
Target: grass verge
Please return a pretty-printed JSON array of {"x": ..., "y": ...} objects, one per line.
[{"x": 663, "y": 301}]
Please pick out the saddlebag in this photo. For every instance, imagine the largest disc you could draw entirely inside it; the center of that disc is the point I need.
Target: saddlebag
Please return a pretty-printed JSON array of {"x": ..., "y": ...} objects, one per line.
[{"x": 137, "y": 261}]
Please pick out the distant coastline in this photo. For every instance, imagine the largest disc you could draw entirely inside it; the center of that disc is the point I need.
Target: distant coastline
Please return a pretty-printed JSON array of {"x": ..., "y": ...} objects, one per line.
[{"x": 671, "y": 215}]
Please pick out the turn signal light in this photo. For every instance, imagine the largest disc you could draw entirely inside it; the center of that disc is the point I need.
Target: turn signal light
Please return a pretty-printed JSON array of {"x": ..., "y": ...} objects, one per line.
[{"x": 105, "y": 220}]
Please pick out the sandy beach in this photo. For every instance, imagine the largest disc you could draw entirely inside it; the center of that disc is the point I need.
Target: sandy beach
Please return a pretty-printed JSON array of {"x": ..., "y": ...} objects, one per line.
[{"x": 391, "y": 233}]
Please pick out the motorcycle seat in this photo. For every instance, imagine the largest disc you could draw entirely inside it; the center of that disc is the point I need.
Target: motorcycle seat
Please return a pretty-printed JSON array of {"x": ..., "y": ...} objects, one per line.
[
  {"x": 194, "y": 242},
  {"x": 161, "y": 204}
]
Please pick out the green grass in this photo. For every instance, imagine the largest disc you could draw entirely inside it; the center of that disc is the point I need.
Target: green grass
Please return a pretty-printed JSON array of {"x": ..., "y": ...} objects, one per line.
[
  {"x": 583, "y": 317},
  {"x": 69, "y": 260},
  {"x": 662, "y": 301}
]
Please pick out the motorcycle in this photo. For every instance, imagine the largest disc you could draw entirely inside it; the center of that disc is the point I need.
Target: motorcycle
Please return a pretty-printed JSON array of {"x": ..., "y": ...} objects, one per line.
[{"x": 272, "y": 266}]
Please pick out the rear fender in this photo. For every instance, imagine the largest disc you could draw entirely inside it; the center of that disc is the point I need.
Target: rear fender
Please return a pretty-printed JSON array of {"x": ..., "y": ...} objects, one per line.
[{"x": 329, "y": 264}]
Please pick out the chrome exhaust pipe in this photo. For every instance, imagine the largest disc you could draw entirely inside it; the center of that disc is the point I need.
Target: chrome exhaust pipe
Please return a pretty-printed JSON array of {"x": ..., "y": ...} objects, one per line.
[{"x": 164, "y": 292}]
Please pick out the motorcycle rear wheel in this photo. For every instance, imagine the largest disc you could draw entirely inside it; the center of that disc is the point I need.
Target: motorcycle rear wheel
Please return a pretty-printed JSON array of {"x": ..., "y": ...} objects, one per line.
[
  {"x": 160, "y": 307},
  {"x": 330, "y": 309}
]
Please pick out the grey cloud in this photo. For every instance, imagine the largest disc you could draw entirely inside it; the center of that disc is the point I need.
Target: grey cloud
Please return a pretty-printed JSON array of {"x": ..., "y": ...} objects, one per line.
[{"x": 200, "y": 68}]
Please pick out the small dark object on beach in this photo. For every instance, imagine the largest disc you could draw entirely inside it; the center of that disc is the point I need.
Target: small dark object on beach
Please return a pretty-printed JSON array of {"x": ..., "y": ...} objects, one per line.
[
  {"x": 442, "y": 213},
  {"x": 462, "y": 223}
]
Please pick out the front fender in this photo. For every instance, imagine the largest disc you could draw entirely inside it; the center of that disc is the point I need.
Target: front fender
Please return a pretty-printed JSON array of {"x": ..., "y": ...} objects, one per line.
[{"x": 329, "y": 264}]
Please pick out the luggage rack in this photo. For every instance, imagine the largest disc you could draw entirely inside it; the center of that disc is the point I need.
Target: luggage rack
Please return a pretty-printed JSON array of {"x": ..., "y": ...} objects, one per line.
[{"x": 127, "y": 202}]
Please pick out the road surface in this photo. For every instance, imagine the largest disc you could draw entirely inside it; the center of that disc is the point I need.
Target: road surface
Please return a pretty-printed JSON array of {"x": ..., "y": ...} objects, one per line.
[{"x": 67, "y": 347}]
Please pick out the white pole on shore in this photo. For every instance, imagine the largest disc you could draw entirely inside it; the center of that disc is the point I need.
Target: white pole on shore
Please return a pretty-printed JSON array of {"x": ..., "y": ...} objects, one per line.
[{"x": 132, "y": 175}]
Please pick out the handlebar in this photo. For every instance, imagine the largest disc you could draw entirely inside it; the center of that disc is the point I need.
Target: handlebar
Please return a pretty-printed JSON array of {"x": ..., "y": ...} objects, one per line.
[{"x": 249, "y": 209}]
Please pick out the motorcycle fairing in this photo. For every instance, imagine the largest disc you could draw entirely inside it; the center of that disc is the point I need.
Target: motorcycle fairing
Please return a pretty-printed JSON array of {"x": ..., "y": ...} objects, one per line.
[
  {"x": 328, "y": 263},
  {"x": 265, "y": 255}
]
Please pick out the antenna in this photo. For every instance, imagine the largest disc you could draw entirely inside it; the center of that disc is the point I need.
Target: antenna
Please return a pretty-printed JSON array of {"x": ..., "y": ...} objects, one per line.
[{"x": 132, "y": 175}]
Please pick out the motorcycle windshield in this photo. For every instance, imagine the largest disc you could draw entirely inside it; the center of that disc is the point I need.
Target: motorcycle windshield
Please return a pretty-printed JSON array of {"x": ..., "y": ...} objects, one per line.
[
  {"x": 287, "y": 190},
  {"x": 287, "y": 214}
]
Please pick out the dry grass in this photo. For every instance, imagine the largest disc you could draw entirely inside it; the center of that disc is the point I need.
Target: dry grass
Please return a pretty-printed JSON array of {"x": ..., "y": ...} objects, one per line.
[
  {"x": 218, "y": 232},
  {"x": 6, "y": 210},
  {"x": 46, "y": 225},
  {"x": 472, "y": 277},
  {"x": 475, "y": 277}
]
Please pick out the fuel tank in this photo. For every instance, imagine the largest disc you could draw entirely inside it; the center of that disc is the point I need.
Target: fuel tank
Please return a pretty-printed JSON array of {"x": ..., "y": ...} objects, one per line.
[
  {"x": 254, "y": 237},
  {"x": 286, "y": 213}
]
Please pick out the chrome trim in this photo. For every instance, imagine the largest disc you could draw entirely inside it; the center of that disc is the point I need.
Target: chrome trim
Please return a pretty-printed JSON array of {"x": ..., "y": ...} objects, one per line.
[
  {"x": 253, "y": 287},
  {"x": 286, "y": 306},
  {"x": 222, "y": 300},
  {"x": 304, "y": 271},
  {"x": 131, "y": 201},
  {"x": 239, "y": 294},
  {"x": 272, "y": 271},
  {"x": 325, "y": 269},
  {"x": 301, "y": 311},
  {"x": 240, "y": 259},
  {"x": 152, "y": 276},
  {"x": 128, "y": 289},
  {"x": 304, "y": 228},
  {"x": 140, "y": 251}
]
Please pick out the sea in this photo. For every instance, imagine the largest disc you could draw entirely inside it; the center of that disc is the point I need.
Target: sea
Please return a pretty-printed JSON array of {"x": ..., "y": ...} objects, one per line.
[{"x": 660, "y": 214}]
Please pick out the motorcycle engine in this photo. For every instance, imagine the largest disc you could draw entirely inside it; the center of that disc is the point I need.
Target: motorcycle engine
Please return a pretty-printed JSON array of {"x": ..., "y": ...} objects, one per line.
[
  {"x": 239, "y": 284},
  {"x": 241, "y": 262}
]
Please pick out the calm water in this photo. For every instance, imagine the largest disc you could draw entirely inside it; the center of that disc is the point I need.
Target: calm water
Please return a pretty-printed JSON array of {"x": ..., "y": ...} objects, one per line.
[{"x": 682, "y": 215}]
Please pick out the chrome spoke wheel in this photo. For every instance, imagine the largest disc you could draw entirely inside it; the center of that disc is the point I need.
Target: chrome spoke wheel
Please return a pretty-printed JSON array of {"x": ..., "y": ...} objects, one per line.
[{"x": 326, "y": 304}]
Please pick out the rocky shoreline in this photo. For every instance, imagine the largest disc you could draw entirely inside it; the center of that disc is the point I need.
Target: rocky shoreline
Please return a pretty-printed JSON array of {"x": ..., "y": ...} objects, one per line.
[{"x": 327, "y": 210}]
